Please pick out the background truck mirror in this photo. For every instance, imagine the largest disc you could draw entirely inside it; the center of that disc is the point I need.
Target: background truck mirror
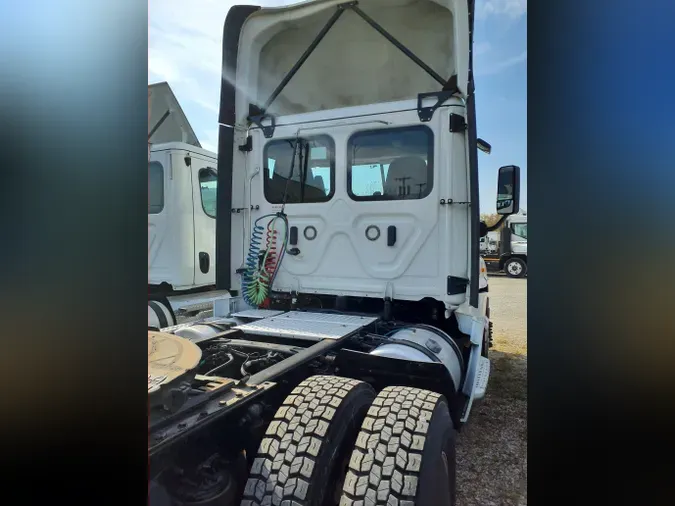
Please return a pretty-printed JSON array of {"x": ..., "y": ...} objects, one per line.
[
  {"x": 483, "y": 146},
  {"x": 508, "y": 190}
]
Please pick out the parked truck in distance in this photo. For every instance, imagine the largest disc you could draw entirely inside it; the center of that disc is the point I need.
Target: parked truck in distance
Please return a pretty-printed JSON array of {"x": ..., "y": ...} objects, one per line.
[
  {"x": 506, "y": 249},
  {"x": 182, "y": 183},
  {"x": 489, "y": 244}
]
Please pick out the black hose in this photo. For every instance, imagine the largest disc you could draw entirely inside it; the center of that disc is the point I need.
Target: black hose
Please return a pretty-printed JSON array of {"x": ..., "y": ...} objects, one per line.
[{"x": 268, "y": 359}]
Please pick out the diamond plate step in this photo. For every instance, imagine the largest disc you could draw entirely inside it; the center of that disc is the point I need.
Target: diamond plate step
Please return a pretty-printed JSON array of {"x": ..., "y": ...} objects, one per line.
[
  {"x": 307, "y": 325},
  {"x": 257, "y": 314}
]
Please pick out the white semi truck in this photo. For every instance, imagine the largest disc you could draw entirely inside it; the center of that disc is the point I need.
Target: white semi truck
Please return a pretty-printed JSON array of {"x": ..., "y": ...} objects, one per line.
[
  {"x": 507, "y": 248},
  {"x": 354, "y": 338},
  {"x": 182, "y": 188},
  {"x": 489, "y": 244}
]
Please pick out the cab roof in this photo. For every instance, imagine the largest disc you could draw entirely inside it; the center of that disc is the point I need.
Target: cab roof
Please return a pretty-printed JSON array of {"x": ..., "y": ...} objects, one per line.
[{"x": 183, "y": 146}]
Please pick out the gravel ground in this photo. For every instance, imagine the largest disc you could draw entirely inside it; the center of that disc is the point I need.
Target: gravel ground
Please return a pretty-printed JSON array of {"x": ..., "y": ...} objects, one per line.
[{"x": 492, "y": 446}]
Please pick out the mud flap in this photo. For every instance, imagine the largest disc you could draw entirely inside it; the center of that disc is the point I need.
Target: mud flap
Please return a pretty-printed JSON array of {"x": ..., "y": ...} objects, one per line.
[{"x": 478, "y": 368}]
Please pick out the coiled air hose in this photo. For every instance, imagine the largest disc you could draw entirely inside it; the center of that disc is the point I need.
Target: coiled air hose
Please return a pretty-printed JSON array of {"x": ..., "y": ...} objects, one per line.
[{"x": 262, "y": 267}]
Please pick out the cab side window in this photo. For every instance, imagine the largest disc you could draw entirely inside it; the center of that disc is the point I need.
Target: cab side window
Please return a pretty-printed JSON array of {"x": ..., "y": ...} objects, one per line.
[
  {"x": 208, "y": 186},
  {"x": 519, "y": 229},
  {"x": 155, "y": 188}
]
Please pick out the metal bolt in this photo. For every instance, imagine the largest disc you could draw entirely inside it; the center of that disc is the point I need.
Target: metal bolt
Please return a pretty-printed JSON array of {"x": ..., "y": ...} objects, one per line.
[
  {"x": 239, "y": 394},
  {"x": 182, "y": 425},
  {"x": 433, "y": 346}
]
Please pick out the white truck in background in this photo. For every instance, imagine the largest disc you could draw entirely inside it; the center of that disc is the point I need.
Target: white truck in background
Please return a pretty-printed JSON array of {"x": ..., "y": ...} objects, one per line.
[
  {"x": 182, "y": 182},
  {"x": 506, "y": 248},
  {"x": 489, "y": 244}
]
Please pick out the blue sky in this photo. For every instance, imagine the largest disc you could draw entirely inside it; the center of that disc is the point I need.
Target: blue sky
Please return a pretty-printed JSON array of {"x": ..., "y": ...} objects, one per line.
[{"x": 185, "y": 50}]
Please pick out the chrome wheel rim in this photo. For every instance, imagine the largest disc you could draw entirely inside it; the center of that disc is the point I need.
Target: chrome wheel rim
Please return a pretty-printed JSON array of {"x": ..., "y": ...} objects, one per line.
[{"x": 515, "y": 268}]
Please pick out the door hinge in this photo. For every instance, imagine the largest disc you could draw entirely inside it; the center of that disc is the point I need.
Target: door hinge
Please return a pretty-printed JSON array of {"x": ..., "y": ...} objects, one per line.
[{"x": 457, "y": 123}]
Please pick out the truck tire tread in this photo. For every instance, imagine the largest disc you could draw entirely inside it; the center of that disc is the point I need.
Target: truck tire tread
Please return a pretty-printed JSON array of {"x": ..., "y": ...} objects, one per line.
[
  {"x": 386, "y": 463},
  {"x": 296, "y": 456}
]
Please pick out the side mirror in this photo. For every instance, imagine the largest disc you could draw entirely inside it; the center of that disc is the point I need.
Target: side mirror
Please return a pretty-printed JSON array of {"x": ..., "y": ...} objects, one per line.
[
  {"x": 483, "y": 146},
  {"x": 508, "y": 190}
]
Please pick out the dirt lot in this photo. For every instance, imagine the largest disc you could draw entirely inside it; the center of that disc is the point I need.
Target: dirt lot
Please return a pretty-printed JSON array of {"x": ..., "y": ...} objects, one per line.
[{"x": 492, "y": 446}]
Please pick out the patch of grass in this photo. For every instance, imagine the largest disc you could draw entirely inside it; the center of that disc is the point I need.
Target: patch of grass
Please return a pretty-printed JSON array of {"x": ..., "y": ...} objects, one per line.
[
  {"x": 508, "y": 344},
  {"x": 492, "y": 447}
]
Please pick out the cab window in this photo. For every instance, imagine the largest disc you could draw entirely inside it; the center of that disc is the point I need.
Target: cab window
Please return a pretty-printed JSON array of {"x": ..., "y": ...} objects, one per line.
[
  {"x": 519, "y": 229},
  {"x": 155, "y": 188},
  {"x": 390, "y": 164},
  {"x": 208, "y": 185},
  {"x": 299, "y": 171}
]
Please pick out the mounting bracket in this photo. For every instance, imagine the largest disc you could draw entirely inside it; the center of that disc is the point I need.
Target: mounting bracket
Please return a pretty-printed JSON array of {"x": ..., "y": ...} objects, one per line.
[
  {"x": 426, "y": 113},
  {"x": 267, "y": 130}
]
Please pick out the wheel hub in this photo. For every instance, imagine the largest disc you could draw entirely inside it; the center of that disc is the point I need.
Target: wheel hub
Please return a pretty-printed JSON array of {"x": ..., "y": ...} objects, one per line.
[{"x": 515, "y": 268}]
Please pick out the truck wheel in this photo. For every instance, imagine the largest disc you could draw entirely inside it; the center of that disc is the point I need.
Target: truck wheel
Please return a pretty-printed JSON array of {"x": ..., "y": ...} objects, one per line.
[
  {"x": 515, "y": 268},
  {"x": 307, "y": 444},
  {"x": 405, "y": 452}
]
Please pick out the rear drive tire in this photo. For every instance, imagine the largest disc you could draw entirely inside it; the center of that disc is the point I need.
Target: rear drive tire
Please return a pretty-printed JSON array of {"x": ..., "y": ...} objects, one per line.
[
  {"x": 307, "y": 444},
  {"x": 404, "y": 453},
  {"x": 515, "y": 268}
]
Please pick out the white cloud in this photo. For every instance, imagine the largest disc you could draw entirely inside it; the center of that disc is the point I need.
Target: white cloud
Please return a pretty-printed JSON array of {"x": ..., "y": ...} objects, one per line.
[
  {"x": 502, "y": 65},
  {"x": 505, "y": 13},
  {"x": 210, "y": 140},
  {"x": 162, "y": 67},
  {"x": 190, "y": 37},
  {"x": 185, "y": 49},
  {"x": 509, "y": 8},
  {"x": 481, "y": 48}
]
